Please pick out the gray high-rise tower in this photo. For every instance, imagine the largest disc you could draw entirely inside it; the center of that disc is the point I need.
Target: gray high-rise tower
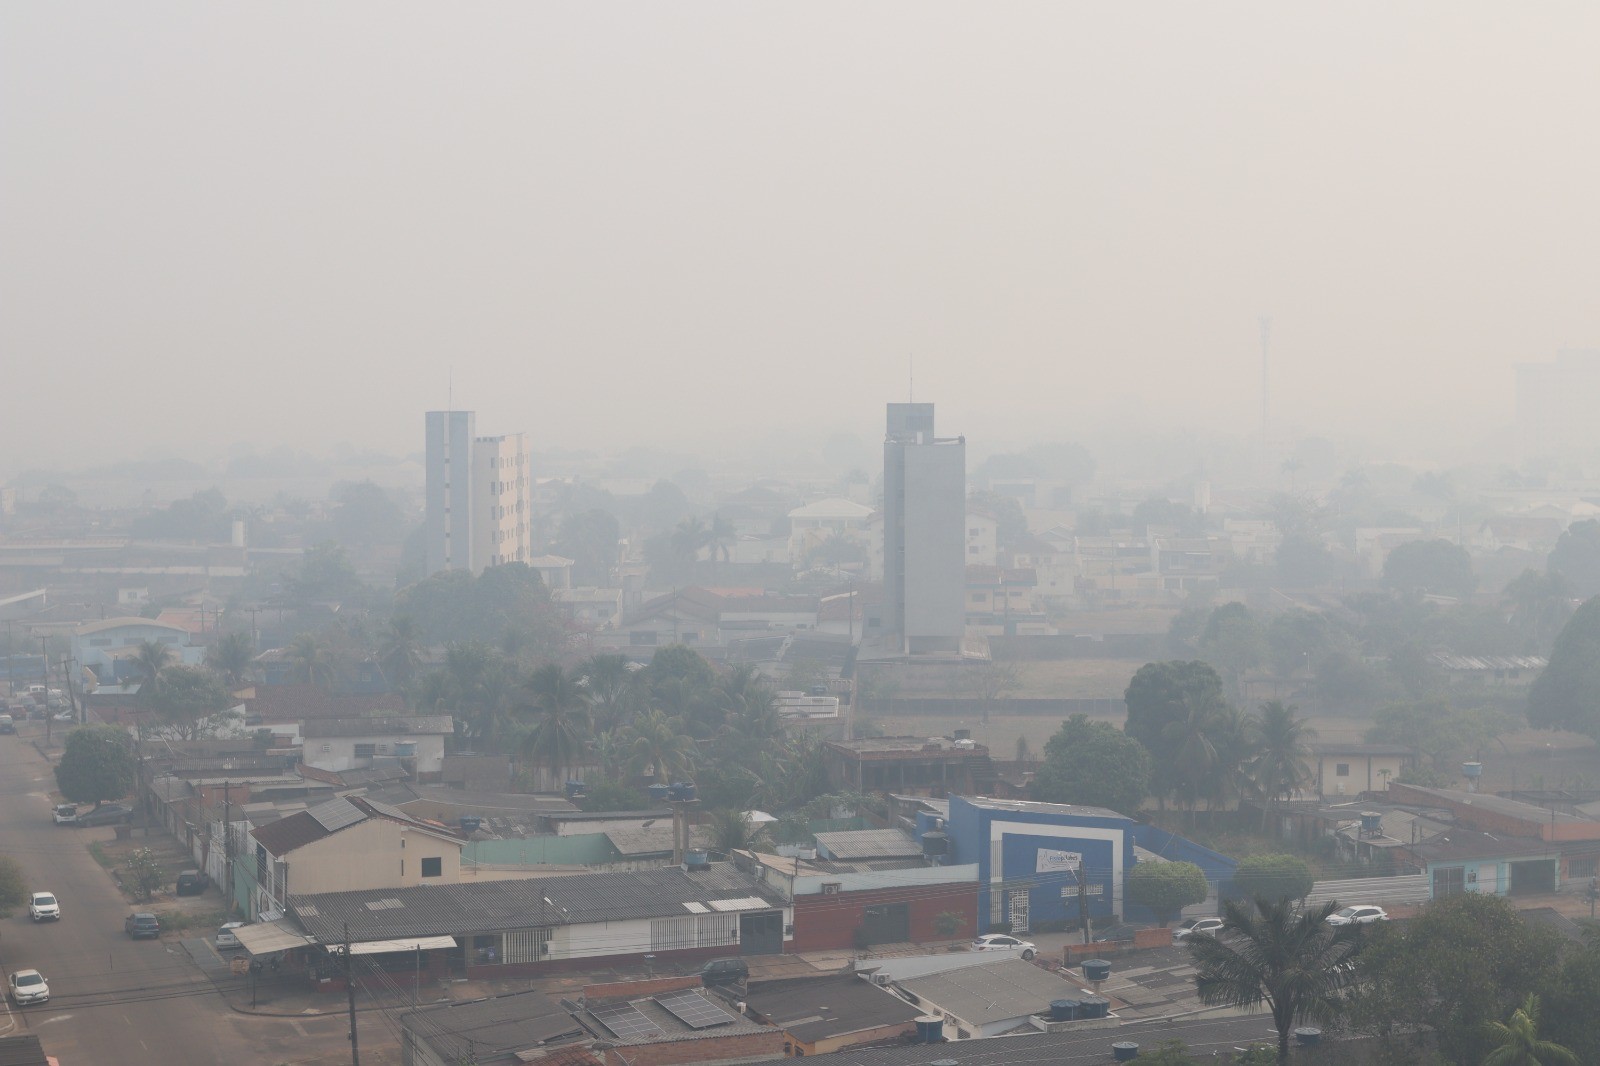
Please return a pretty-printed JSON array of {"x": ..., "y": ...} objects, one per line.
[
  {"x": 924, "y": 539},
  {"x": 478, "y": 496}
]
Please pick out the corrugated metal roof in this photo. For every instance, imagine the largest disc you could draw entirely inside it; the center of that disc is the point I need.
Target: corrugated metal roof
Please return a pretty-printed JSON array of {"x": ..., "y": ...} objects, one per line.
[
  {"x": 495, "y": 906},
  {"x": 868, "y": 844}
]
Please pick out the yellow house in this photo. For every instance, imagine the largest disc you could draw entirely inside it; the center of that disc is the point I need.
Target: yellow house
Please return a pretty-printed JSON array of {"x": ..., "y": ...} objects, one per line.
[
  {"x": 1351, "y": 769},
  {"x": 349, "y": 844}
]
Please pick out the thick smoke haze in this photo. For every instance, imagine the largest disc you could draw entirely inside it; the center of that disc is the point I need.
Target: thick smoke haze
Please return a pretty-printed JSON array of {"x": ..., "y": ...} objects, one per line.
[{"x": 696, "y": 225}]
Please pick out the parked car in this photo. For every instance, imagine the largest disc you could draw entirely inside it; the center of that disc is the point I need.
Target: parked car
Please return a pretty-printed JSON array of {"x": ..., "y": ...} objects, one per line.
[
  {"x": 65, "y": 814},
  {"x": 108, "y": 814},
  {"x": 1005, "y": 942},
  {"x": 142, "y": 925},
  {"x": 28, "y": 986},
  {"x": 1363, "y": 915},
  {"x": 7, "y": 724},
  {"x": 1197, "y": 926},
  {"x": 724, "y": 972},
  {"x": 192, "y": 883},
  {"x": 64, "y": 716},
  {"x": 44, "y": 907},
  {"x": 226, "y": 937}
]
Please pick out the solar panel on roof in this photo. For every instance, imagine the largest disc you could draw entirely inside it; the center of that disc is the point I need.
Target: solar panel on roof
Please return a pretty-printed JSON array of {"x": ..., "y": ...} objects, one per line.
[
  {"x": 626, "y": 1022},
  {"x": 336, "y": 814},
  {"x": 694, "y": 1009}
]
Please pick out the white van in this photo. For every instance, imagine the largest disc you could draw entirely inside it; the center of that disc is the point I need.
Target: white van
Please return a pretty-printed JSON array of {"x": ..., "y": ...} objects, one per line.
[{"x": 66, "y": 814}]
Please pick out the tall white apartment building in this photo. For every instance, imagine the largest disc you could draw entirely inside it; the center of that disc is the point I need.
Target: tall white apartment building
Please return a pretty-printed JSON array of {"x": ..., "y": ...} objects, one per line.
[{"x": 479, "y": 495}]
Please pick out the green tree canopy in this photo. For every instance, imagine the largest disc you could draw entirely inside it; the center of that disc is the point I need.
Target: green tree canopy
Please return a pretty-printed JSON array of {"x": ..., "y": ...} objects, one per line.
[
  {"x": 1232, "y": 642},
  {"x": 1272, "y": 877},
  {"x": 1566, "y": 695},
  {"x": 589, "y": 538},
  {"x": 453, "y": 605},
  {"x": 1093, "y": 764},
  {"x": 13, "y": 886},
  {"x": 185, "y": 701},
  {"x": 1166, "y": 887},
  {"x": 1161, "y": 694},
  {"x": 1466, "y": 959},
  {"x": 96, "y": 765},
  {"x": 1576, "y": 557},
  {"x": 1517, "y": 1042},
  {"x": 1430, "y": 566}
]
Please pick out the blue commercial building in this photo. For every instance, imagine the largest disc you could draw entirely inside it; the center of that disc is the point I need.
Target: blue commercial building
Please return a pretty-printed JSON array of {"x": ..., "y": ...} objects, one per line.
[
  {"x": 1037, "y": 861},
  {"x": 1032, "y": 858}
]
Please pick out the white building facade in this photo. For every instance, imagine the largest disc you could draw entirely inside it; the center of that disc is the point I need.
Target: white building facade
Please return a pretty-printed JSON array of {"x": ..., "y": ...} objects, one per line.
[{"x": 479, "y": 495}]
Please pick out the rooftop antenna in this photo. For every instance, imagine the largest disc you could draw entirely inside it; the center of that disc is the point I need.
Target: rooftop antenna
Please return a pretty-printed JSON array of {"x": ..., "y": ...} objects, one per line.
[{"x": 1266, "y": 341}]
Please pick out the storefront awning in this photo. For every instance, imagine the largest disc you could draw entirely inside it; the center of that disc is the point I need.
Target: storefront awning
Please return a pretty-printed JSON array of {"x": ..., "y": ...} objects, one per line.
[
  {"x": 414, "y": 943},
  {"x": 265, "y": 938}
]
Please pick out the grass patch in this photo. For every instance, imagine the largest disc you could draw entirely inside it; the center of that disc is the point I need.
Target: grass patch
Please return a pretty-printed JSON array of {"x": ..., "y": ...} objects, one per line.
[
  {"x": 184, "y": 921},
  {"x": 98, "y": 850}
]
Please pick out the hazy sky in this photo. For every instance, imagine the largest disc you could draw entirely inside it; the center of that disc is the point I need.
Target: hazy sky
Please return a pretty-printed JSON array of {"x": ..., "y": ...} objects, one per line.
[{"x": 690, "y": 224}]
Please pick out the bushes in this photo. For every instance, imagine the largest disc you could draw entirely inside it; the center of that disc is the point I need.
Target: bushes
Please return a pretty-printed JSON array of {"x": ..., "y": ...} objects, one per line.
[{"x": 1273, "y": 878}]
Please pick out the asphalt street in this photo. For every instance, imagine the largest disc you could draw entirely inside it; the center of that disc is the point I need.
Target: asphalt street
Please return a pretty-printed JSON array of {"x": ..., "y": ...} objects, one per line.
[{"x": 113, "y": 999}]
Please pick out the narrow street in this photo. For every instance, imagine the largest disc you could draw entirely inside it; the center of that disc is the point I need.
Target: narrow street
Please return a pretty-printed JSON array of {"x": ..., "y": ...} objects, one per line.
[{"x": 112, "y": 999}]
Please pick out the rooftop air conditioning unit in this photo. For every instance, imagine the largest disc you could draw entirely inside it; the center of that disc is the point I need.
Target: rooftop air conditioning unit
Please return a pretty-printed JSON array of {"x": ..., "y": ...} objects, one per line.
[{"x": 881, "y": 980}]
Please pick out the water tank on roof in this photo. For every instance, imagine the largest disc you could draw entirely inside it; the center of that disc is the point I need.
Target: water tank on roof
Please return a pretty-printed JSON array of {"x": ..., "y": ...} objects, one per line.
[
  {"x": 935, "y": 844},
  {"x": 1094, "y": 1007},
  {"x": 658, "y": 793},
  {"x": 930, "y": 1029},
  {"x": 1096, "y": 969},
  {"x": 680, "y": 791},
  {"x": 962, "y": 734},
  {"x": 1124, "y": 1051},
  {"x": 471, "y": 823},
  {"x": 575, "y": 789},
  {"x": 1472, "y": 769},
  {"x": 1371, "y": 822},
  {"x": 1063, "y": 1010},
  {"x": 1308, "y": 1036},
  {"x": 697, "y": 859}
]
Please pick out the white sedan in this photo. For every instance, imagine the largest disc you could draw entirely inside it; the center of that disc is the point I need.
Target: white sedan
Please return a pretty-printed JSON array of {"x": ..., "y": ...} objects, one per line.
[
  {"x": 28, "y": 986},
  {"x": 1358, "y": 916},
  {"x": 1197, "y": 927},
  {"x": 1005, "y": 942}
]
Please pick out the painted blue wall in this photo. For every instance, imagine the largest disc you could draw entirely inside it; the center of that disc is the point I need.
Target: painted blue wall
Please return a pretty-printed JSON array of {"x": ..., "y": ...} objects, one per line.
[{"x": 971, "y": 829}]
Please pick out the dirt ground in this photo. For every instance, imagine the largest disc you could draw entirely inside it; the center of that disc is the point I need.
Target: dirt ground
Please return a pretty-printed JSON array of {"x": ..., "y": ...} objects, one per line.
[
  {"x": 178, "y": 913},
  {"x": 1529, "y": 758}
]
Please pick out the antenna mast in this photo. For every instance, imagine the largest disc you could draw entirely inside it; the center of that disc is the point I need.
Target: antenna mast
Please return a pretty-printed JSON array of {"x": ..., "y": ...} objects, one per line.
[{"x": 1266, "y": 341}]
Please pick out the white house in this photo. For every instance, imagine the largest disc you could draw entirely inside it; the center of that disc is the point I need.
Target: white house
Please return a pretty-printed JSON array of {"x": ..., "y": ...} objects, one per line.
[
  {"x": 818, "y": 522},
  {"x": 337, "y": 744}
]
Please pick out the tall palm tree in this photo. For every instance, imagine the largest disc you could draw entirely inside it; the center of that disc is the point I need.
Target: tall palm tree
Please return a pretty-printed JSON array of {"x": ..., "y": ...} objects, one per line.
[
  {"x": 660, "y": 748},
  {"x": 148, "y": 662},
  {"x": 560, "y": 711},
  {"x": 1275, "y": 954},
  {"x": 400, "y": 650},
  {"x": 616, "y": 691},
  {"x": 1517, "y": 1042},
  {"x": 749, "y": 704},
  {"x": 230, "y": 657},
  {"x": 1282, "y": 752},
  {"x": 476, "y": 685},
  {"x": 310, "y": 661},
  {"x": 611, "y": 752}
]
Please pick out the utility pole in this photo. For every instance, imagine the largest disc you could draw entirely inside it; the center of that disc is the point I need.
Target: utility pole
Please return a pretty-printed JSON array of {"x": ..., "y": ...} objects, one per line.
[
  {"x": 1083, "y": 901},
  {"x": 227, "y": 838},
  {"x": 350, "y": 988},
  {"x": 44, "y": 671}
]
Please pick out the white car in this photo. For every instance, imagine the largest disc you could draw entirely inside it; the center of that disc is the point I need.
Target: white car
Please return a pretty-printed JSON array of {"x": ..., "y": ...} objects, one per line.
[
  {"x": 226, "y": 938},
  {"x": 43, "y": 907},
  {"x": 1005, "y": 942},
  {"x": 1358, "y": 916},
  {"x": 1192, "y": 926},
  {"x": 28, "y": 986}
]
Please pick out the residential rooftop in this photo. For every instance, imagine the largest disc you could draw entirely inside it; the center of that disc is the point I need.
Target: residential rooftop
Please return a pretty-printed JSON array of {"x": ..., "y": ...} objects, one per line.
[{"x": 815, "y": 1008}]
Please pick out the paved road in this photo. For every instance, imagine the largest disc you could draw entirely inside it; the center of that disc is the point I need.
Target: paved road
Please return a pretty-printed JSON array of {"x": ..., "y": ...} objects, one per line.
[{"x": 114, "y": 1000}]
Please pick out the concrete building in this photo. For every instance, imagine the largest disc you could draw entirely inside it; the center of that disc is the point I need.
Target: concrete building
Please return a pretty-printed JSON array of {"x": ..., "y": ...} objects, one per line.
[
  {"x": 478, "y": 495},
  {"x": 108, "y": 646},
  {"x": 924, "y": 534}
]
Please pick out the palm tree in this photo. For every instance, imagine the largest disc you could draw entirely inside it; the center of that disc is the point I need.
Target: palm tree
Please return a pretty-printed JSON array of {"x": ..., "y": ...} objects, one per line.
[
  {"x": 310, "y": 661},
  {"x": 615, "y": 690},
  {"x": 148, "y": 662},
  {"x": 611, "y": 752},
  {"x": 749, "y": 704},
  {"x": 230, "y": 657},
  {"x": 732, "y": 830},
  {"x": 560, "y": 710},
  {"x": 688, "y": 539},
  {"x": 1273, "y": 953},
  {"x": 400, "y": 652},
  {"x": 1282, "y": 753},
  {"x": 476, "y": 685},
  {"x": 659, "y": 748},
  {"x": 1517, "y": 1042}
]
